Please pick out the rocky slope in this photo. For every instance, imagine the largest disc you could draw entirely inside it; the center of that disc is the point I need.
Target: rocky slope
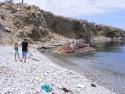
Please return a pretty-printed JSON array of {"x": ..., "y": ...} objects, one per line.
[
  {"x": 18, "y": 21},
  {"x": 21, "y": 21}
]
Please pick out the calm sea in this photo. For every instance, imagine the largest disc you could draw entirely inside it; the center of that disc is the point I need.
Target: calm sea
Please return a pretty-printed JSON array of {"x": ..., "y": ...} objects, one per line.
[{"x": 105, "y": 66}]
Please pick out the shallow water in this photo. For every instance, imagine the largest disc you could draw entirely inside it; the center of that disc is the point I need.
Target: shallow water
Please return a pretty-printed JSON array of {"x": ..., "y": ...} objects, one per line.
[{"x": 106, "y": 65}]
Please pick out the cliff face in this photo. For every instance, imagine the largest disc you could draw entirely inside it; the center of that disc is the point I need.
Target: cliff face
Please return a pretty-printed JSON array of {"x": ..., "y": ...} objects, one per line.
[
  {"x": 79, "y": 29},
  {"x": 64, "y": 26},
  {"x": 22, "y": 21},
  {"x": 19, "y": 21}
]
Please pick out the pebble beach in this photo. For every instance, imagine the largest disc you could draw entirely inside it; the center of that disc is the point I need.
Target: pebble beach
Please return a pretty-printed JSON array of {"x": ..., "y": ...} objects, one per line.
[{"x": 25, "y": 78}]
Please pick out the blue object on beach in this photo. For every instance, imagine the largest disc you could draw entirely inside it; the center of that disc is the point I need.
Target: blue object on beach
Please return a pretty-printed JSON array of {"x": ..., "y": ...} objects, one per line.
[{"x": 46, "y": 87}]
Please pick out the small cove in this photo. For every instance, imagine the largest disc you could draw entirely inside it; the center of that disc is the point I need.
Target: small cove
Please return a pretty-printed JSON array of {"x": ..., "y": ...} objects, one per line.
[{"x": 106, "y": 66}]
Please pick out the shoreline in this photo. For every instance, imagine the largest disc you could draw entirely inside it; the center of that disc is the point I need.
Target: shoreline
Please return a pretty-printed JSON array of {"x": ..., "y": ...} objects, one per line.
[
  {"x": 77, "y": 69},
  {"x": 100, "y": 76},
  {"x": 23, "y": 78},
  {"x": 61, "y": 63}
]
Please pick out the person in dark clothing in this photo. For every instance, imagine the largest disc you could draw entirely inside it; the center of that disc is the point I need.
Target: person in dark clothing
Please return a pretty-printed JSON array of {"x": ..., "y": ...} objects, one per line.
[{"x": 24, "y": 50}]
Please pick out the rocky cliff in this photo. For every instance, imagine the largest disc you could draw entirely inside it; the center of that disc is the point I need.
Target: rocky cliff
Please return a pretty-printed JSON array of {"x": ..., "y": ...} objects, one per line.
[{"x": 18, "y": 21}]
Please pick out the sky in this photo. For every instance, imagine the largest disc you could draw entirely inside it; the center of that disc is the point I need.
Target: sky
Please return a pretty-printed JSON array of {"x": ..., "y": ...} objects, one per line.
[{"x": 108, "y": 12}]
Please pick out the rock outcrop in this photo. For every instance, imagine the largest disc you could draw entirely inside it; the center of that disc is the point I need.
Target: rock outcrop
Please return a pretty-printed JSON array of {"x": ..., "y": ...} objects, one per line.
[
  {"x": 23, "y": 21},
  {"x": 18, "y": 21}
]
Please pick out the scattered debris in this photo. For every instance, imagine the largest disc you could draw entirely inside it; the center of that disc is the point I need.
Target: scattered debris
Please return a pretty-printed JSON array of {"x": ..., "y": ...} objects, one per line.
[
  {"x": 34, "y": 59},
  {"x": 66, "y": 90},
  {"x": 46, "y": 87}
]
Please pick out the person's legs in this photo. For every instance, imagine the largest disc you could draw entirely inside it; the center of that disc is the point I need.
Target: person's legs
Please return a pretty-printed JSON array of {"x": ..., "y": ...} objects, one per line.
[
  {"x": 15, "y": 56},
  {"x": 18, "y": 56},
  {"x": 16, "y": 53},
  {"x": 25, "y": 59},
  {"x": 24, "y": 56}
]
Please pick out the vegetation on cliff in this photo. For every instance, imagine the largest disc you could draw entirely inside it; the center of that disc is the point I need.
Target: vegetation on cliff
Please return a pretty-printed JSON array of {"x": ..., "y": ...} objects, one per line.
[{"x": 21, "y": 20}]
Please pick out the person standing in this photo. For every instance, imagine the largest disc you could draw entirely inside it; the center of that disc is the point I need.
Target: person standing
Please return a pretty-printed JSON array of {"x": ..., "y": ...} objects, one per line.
[
  {"x": 16, "y": 51},
  {"x": 24, "y": 50}
]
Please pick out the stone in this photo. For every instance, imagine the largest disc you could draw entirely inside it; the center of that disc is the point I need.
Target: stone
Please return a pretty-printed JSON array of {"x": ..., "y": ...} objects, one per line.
[
  {"x": 93, "y": 85},
  {"x": 66, "y": 90},
  {"x": 80, "y": 86}
]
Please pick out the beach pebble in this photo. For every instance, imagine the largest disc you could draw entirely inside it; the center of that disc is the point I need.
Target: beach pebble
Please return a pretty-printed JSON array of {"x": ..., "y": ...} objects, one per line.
[
  {"x": 25, "y": 78},
  {"x": 80, "y": 86}
]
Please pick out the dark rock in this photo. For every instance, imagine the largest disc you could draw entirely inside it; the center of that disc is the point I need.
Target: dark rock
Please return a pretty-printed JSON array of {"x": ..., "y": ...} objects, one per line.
[
  {"x": 9, "y": 92},
  {"x": 45, "y": 47},
  {"x": 66, "y": 90},
  {"x": 93, "y": 85},
  {"x": 8, "y": 30}
]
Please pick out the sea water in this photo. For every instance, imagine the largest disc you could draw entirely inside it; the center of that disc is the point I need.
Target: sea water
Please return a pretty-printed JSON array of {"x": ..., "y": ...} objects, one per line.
[{"x": 106, "y": 65}]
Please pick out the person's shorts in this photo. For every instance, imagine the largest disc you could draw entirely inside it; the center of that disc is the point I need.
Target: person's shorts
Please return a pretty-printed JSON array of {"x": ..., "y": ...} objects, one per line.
[
  {"x": 16, "y": 52},
  {"x": 24, "y": 53}
]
